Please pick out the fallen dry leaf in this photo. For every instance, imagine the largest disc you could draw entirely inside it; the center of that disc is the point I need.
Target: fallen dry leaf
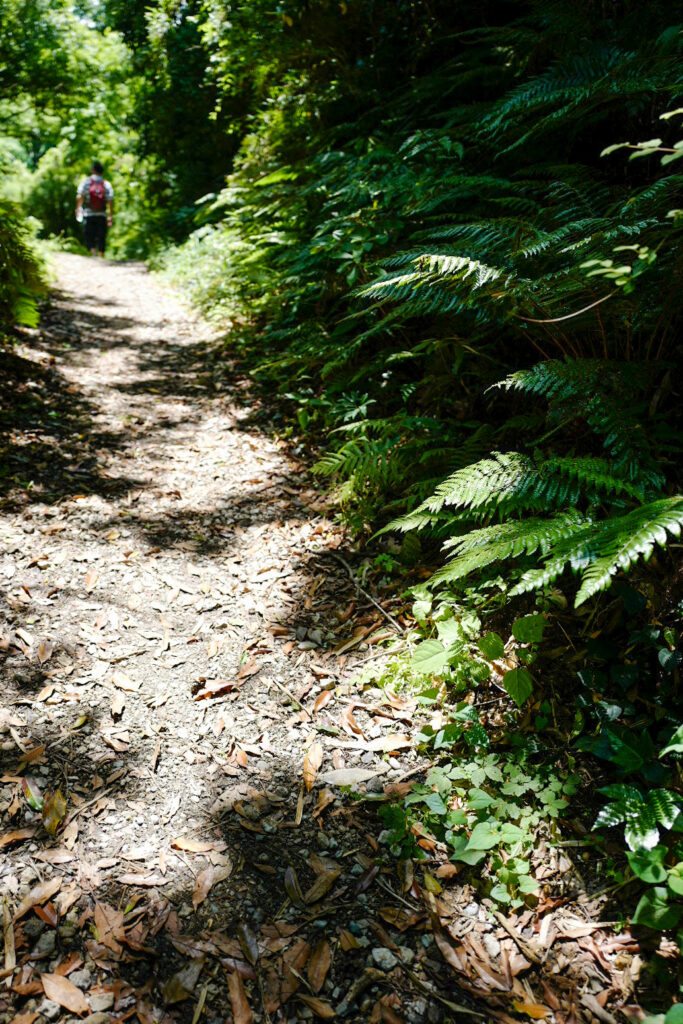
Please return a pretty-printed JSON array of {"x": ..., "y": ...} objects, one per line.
[
  {"x": 117, "y": 705},
  {"x": 293, "y": 889},
  {"x": 348, "y": 776},
  {"x": 124, "y": 682},
  {"x": 322, "y": 885},
  {"x": 109, "y": 925},
  {"x": 248, "y": 943},
  {"x": 322, "y": 700},
  {"x": 534, "y": 1010},
  {"x": 319, "y": 965},
  {"x": 54, "y": 811},
  {"x": 241, "y": 1011},
  {"x": 392, "y": 741},
  {"x": 48, "y": 914},
  {"x": 348, "y": 940},
  {"x": 61, "y": 990},
  {"x": 349, "y": 723},
  {"x": 202, "y": 886},
  {"x": 8, "y": 932},
  {"x": 44, "y": 652},
  {"x": 319, "y": 1006},
  {"x": 40, "y": 893},
  {"x": 193, "y": 845},
  {"x": 312, "y": 762},
  {"x": 17, "y": 836},
  {"x": 131, "y": 878}
]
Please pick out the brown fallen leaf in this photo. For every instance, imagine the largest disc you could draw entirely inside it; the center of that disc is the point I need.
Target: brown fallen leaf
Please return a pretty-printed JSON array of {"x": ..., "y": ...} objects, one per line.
[
  {"x": 293, "y": 889},
  {"x": 17, "y": 836},
  {"x": 534, "y": 1010},
  {"x": 446, "y": 871},
  {"x": 8, "y": 931},
  {"x": 294, "y": 961},
  {"x": 66, "y": 899},
  {"x": 392, "y": 741},
  {"x": 61, "y": 990},
  {"x": 40, "y": 893},
  {"x": 312, "y": 763},
  {"x": 91, "y": 579},
  {"x": 400, "y": 917},
  {"x": 217, "y": 688},
  {"x": 248, "y": 943},
  {"x": 45, "y": 649},
  {"x": 124, "y": 682},
  {"x": 193, "y": 845},
  {"x": 202, "y": 886},
  {"x": 49, "y": 915},
  {"x": 322, "y": 885},
  {"x": 109, "y": 925},
  {"x": 348, "y": 940},
  {"x": 319, "y": 1007},
  {"x": 319, "y": 965},
  {"x": 455, "y": 957},
  {"x": 349, "y": 723},
  {"x": 366, "y": 879},
  {"x": 181, "y": 985},
  {"x": 322, "y": 700},
  {"x": 117, "y": 705},
  {"x": 54, "y": 811},
  {"x": 130, "y": 878},
  {"x": 26, "y": 1018},
  {"x": 241, "y": 1011}
]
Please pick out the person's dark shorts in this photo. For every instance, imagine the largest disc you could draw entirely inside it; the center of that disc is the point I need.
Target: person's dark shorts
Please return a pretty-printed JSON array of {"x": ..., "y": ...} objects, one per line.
[{"x": 95, "y": 232}]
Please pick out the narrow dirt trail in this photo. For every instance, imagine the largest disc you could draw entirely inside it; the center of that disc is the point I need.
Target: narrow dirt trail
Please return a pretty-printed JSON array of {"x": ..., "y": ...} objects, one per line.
[{"x": 171, "y": 610}]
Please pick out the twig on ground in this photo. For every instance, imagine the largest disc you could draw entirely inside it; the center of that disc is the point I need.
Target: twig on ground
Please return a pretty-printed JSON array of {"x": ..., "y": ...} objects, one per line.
[
  {"x": 287, "y": 693},
  {"x": 524, "y": 947},
  {"x": 429, "y": 991},
  {"x": 390, "y": 618}
]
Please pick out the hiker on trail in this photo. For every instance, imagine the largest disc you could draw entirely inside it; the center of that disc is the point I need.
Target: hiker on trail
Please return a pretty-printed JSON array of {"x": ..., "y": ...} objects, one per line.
[{"x": 95, "y": 206}]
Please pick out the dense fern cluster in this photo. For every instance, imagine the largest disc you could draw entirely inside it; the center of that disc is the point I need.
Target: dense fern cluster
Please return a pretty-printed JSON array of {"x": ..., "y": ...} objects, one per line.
[{"x": 405, "y": 250}]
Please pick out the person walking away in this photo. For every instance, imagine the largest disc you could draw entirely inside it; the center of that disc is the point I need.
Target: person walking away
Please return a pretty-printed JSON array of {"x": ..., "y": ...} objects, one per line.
[{"x": 95, "y": 206}]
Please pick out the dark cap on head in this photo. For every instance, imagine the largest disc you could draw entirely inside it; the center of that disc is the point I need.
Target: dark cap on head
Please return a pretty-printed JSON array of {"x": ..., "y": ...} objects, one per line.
[{"x": 97, "y": 167}]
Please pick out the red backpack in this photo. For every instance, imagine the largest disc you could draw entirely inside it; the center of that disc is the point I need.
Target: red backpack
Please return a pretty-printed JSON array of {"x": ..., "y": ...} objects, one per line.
[{"x": 97, "y": 195}]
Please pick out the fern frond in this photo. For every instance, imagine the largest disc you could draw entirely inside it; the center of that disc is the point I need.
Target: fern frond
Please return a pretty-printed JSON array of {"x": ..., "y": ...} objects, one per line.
[
  {"x": 480, "y": 548},
  {"x": 600, "y": 550}
]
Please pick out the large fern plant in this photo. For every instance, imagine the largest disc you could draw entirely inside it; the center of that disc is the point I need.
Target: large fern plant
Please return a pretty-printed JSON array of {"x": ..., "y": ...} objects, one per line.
[{"x": 545, "y": 512}]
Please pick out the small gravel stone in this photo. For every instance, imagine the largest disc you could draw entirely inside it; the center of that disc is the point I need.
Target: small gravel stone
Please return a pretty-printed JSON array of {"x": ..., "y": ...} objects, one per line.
[
  {"x": 472, "y": 910},
  {"x": 81, "y": 979},
  {"x": 101, "y": 1001},
  {"x": 384, "y": 958},
  {"x": 49, "y": 1009},
  {"x": 407, "y": 954},
  {"x": 46, "y": 944},
  {"x": 491, "y": 945},
  {"x": 33, "y": 927}
]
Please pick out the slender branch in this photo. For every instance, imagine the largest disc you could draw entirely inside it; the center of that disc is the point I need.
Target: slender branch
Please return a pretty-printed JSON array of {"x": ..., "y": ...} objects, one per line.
[{"x": 569, "y": 316}]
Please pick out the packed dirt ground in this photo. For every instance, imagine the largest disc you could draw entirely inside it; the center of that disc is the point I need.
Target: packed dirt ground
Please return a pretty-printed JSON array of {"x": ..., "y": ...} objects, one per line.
[{"x": 181, "y": 645}]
